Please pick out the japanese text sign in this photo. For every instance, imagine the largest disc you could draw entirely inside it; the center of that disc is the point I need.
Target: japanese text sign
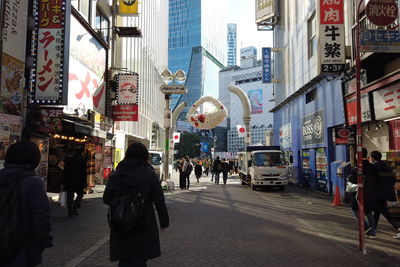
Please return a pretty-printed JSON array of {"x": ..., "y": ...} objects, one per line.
[
  {"x": 351, "y": 110},
  {"x": 50, "y": 51},
  {"x": 384, "y": 41},
  {"x": 126, "y": 113},
  {"x": 387, "y": 102},
  {"x": 331, "y": 35},
  {"x": 382, "y": 12},
  {"x": 266, "y": 65}
]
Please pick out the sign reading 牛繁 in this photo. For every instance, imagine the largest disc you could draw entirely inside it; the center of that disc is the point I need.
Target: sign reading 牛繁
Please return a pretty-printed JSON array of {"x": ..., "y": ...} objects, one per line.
[{"x": 332, "y": 56}]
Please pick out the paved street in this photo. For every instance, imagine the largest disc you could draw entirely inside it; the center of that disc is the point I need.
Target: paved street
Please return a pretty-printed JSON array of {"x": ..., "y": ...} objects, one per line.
[{"x": 231, "y": 225}]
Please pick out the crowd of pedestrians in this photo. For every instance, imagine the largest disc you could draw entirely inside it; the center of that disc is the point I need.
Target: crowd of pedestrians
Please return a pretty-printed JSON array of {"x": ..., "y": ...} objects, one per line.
[{"x": 204, "y": 166}]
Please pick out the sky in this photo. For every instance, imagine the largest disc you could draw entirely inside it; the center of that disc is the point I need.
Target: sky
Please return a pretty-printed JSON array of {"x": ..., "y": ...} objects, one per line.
[{"x": 242, "y": 12}]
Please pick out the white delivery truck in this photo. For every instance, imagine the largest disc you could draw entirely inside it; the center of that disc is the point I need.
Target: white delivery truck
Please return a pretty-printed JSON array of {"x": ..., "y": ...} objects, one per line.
[
  {"x": 261, "y": 166},
  {"x": 157, "y": 161}
]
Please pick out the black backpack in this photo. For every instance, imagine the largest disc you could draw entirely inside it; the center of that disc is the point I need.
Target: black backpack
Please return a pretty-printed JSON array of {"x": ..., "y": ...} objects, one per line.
[
  {"x": 126, "y": 213},
  {"x": 11, "y": 233}
]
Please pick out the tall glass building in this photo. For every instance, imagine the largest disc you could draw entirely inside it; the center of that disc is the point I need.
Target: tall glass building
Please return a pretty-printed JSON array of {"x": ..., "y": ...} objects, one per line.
[
  {"x": 197, "y": 45},
  {"x": 232, "y": 44}
]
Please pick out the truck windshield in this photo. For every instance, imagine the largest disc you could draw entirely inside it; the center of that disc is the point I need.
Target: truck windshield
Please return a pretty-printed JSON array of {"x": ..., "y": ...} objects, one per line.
[
  {"x": 155, "y": 159},
  {"x": 268, "y": 159}
]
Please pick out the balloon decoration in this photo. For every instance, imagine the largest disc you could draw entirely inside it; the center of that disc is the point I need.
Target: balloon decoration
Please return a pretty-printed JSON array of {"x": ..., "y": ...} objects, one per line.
[{"x": 208, "y": 120}]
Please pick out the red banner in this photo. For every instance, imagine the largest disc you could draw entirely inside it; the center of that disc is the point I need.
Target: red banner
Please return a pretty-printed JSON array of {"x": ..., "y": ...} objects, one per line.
[
  {"x": 331, "y": 12},
  {"x": 394, "y": 135},
  {"x": 126, "y": 113}
]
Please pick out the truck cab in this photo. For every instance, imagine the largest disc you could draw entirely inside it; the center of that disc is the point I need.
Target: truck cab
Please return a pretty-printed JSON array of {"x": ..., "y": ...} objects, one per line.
[
  {"x": 263, "y": 166},
  {"x": 157, "y": 160}
]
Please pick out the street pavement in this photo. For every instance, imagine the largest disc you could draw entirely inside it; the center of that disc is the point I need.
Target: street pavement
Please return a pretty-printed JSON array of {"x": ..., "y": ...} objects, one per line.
[{"x": 231, "y": 225}]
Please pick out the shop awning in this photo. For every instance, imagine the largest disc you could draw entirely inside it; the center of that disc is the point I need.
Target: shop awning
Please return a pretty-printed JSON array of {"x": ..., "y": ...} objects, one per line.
[{"x": 86, "y": 129}]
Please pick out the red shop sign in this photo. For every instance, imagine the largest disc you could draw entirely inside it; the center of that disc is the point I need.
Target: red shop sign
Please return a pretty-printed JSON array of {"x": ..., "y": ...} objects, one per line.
[
  {"x": 394, "y": 135},
  {"x": 126, "y": 113},
  {"x": 382, "y": 12},
  {"x": 332, "y": 11}
]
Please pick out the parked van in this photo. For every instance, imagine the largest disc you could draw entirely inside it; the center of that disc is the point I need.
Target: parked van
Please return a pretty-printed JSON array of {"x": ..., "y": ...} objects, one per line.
[{"x": 261, "y": 166}]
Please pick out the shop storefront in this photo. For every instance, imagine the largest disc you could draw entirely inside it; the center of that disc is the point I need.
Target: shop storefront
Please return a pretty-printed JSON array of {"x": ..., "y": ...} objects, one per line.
[{"x": 304, "y": 127}]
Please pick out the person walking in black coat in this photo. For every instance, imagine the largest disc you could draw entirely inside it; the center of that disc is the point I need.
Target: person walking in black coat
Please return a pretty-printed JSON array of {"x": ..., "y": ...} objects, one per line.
[
  {"x": 387, "y": 181},
  {"x": 74, "y": 180},
  {"x": 225, "y": 170},
  {"x": 134, "y": 175},
  {"x": 217, "y": 169},
  {"x": 371, "y": 193},
  {"x": 198, "y": 170},
  {"x": 20, "y": 162}
]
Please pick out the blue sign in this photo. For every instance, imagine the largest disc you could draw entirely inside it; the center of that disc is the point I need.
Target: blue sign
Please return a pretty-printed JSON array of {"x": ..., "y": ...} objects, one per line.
[
  {"x": 380, "y": 41},
  {"x": 203, "y": 147},
  {"x": 266, "y": 65}
]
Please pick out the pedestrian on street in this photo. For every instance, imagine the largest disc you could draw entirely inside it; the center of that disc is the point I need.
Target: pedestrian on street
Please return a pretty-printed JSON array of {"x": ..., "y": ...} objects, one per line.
[
  {"x": 217, "y": 169},
  {"x": 187, "y": 170},
  {"x": 34, "y": 209},
  {"x": 371, "y": 183},
  {"x": 206, "y": 166},
  {"x": 386, "y": 193},
  {"x": 198, "y": 170},
  {"x": 74, "y": 179},
  {"x": 131, "y": 176},
  {"x": 225, "y": 170},
  {"x": 182, "y": 178}
]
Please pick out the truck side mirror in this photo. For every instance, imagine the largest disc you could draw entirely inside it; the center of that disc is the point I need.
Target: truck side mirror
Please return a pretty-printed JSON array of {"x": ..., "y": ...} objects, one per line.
[{"x": 249, "y": 163}]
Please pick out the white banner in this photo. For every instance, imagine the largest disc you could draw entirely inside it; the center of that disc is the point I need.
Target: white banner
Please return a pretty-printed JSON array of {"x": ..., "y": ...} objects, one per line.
[
  {"x": 176, "y": 137},
  {"x": 14, "y": 28},
  {"x": 241, "y": 131}
]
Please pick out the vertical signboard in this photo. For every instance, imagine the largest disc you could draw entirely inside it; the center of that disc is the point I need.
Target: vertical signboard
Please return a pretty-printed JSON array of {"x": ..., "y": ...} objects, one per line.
[
  {"x": 127, "y": 92},
  {"x": 331, "y": 36},
  {"x": 255, "y": 97},
  {"x": 87, "y": 67},
  {"x": 266, "y": 65},
  {"x": 49, "y": 46},
  {"x": 14, "y": 20}
]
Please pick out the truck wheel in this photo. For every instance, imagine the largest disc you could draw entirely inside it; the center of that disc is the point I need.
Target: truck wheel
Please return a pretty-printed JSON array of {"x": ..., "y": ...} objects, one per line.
[
  {"x": 281, "y": 188},
  {"x": 253, "y": 187}
]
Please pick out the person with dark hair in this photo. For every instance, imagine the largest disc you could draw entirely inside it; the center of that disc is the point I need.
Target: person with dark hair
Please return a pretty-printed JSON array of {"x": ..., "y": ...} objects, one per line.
[
  {"x": 134, "y": 176},
  {"x": 371, "y": 183},
  {"x": 198, "y": 170},
  {"x": 19, "y": 169},
  {"x": 225, "y": 170},
  {"x": 386, "y": 191},
  {"x": 187, "y": 170},
  {"x": 74, "y": 179},
  {"x": 217, "y": 169}
]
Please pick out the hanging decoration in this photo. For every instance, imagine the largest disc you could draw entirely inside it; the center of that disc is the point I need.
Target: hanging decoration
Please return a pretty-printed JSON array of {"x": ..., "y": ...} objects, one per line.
[{"x": 207, "y": 120}]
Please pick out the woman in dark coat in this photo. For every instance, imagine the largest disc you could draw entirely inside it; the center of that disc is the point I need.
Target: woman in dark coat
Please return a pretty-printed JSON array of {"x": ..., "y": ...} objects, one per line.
[
  {"x": 198, "y": 170},
  {"x": 134, "y": 175},
  {"x": 21, "y": 160}
]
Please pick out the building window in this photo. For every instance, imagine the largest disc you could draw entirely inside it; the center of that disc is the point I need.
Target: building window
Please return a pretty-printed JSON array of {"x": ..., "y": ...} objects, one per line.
[
  {"x": 311, "y": 96},
  {"x": 312, "y": 36},
  {"x": 102, "y": 26},
  {"x": 83, "y": 6}
]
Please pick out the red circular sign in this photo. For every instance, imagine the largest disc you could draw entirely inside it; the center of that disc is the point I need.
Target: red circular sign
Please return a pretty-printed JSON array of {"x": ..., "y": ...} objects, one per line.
[
  {"x": 176, "y": 136},
  {"x": 382, "y": 12},
  {"x": 242, "y": 130},
  {"x": 344, "y": 133}
]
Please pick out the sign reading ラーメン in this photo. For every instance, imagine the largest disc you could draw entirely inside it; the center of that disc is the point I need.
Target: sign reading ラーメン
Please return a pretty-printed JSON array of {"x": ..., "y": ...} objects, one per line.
[{"x": 313, "y": 128}]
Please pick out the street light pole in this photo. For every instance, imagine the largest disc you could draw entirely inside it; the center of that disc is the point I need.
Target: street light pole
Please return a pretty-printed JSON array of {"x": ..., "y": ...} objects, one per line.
[
  {"x": 167, "y": 76},
  {"x": 360, "y": 193},
  {"x": 167, "y": 125}
]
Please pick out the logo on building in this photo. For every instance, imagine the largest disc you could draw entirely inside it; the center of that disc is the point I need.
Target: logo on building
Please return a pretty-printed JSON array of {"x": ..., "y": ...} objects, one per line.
[{"x": 313, "y": 128}]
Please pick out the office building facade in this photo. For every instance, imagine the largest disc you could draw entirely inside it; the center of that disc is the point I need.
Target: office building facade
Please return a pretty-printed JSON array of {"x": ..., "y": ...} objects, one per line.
[{"x": 197, "y": 46}]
